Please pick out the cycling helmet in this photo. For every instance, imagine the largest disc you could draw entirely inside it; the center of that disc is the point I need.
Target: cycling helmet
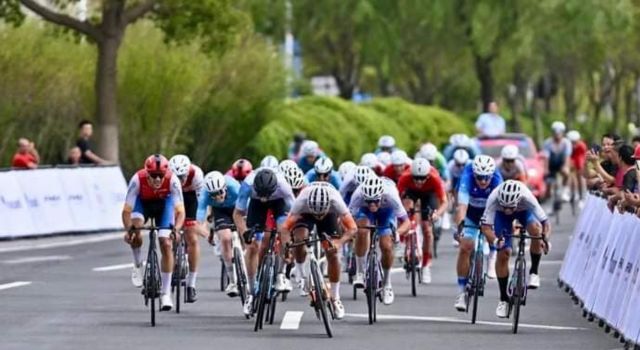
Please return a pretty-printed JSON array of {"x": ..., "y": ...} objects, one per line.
[
  {"x": 372, "y": 188},
  {"x": 309, "y": 148},
  {"x": 429, "y": 151},
  {"x": 179, "y": 165},
  {"x": 295, "y": 177},
  {"x": 558, "y": 127},
  {"x": 319, "y": 200},
  {"x": 509, "y": 193},
  {"x": 483, "y": 165},
  {"x": 286, "y": 165},
  {"x": 265, "y": 182},
  {"x": 369, "y": 160},
  {"x": 386, "y": 141},
  {"x": 573, "y": 136},
  {"x": 399, "y": 157},
  {"x": 362, "y": 173},
  {"x": 241, "y": 168},
  {"x": 346, "y": 168},
  {"x": 215, "y": 182},
  {"x": 461, "y": 156},
  {"x": 156, "y": 163},
  {"x": 323, "y": 165},
  {"x": 509, "y": 152},
  {"x": 459, "y": 140},
  {"x": 384, "y": 158},
  {"x": 270, "y": 162},
  {"x": 420, "y": 167}
]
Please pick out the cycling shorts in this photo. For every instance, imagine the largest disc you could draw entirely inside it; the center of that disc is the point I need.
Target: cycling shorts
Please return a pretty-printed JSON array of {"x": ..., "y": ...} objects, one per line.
[
  {"x": 383, "y": 218},
  {"x": 160, "y": 210},
  {"x": 503, "y": 224}
]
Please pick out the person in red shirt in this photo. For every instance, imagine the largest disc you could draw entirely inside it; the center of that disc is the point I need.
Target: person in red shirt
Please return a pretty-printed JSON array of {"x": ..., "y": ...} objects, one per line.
[
  {"x": 423, "y": 183},
  {"x": 27, "y": 156},
  {"x": 399, "y": 164},
  {"x": 578, "y": 161}
]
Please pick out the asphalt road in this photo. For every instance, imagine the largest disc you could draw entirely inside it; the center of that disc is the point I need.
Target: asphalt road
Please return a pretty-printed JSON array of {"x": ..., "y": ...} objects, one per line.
[{"x": 65, "y": 304}]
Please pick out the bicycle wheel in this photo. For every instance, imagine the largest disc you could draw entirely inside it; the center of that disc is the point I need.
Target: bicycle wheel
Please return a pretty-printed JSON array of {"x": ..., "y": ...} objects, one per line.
[
  {"x": 224, "y": 279},
  {"x": 152, "y": 283},
  {"x": 177, "y": 272},
  {"x": 241, "y": 277},
  {"x": 412, "y": 265},
  {"x": 517, "y": 294},
  {"x": 319, "y": 304},
  {"x": 262, "y": 294},
  {"x": 477, "y": 283},
  {"x": 372, "y": 286}
]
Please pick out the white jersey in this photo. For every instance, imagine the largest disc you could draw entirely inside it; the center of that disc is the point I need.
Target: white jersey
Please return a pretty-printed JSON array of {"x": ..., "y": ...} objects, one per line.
[
  {"x": 336, "y": 203},
  {"x": 348, "y": 185},
  {"x": 196, "y": 182},
  {"x": 134, "y": 189},
  {"x": 528, "y": 202},
  {"x": 390, "y": 199}
]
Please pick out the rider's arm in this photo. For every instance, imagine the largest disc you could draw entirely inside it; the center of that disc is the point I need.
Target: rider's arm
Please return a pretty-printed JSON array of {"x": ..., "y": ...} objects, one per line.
[
  {"x": 442, "y": 197},
  {"x": 130, "y": 200},
  {"x": 178, "y": 202},
  {"x": 203, "y": 204},
  {"x": 532, "y": 204}
]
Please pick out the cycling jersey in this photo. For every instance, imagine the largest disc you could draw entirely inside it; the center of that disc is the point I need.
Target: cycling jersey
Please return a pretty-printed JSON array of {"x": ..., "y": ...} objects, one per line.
[
  {"x": 440, "y": 163},
  {"x": 455, "y": 173},
  {"x": 557, "y": 153},
  {"x": 348, "y": 186},
  {"x": 229, "y": 202},
  {"x": 300, "y": 210},
  {"x": 579, "y": 155},
  {"x": 390, "y": 172},
  {"x": 305, "y": 165},
  {"x": 434, "y": 184},
  {"x": 474, "y": 197},
  {"x": 390, "y": 208},
  {"x": 334, "y": 178},
  {"x": 190, "y": 191},
  {"x": 246, "y": 193},
  {"x": 380, "y": 150},
  {"x": 472, "y": 149},
  {"x": 517, "y": 172}
]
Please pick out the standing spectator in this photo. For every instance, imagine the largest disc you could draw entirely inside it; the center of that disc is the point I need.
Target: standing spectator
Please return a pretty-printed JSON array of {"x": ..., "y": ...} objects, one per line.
[
  {"x": 74, "y": 156},
  {"x": 491, "y": 124},
  {"x": 294, "y": 147},
  {"x": 626, "y": 179},
  {"x": 87, "y": 156},
  {"x": 603, "y": 171},
  {"x": 27, "y": 156}
]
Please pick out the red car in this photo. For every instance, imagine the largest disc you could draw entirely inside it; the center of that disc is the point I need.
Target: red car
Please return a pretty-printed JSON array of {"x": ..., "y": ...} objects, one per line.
[{"x": 534, "y": 161}]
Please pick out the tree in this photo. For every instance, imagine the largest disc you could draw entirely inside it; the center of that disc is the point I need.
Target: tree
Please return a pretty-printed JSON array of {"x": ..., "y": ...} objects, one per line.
[{"x": 215, "y": 22}]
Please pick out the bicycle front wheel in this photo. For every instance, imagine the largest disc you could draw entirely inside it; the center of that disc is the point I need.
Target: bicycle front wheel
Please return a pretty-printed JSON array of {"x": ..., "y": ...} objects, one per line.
[
  {"x": 241, "y": 277},
  {"x": 262, "y": 294},
  {"x": 477, "y": 283},
  {"x": 320, "y": 302},
  {"x": 372, "y": 286},
  {"x": 412, "y": 265},
  {"x": 518, "y": 294}
]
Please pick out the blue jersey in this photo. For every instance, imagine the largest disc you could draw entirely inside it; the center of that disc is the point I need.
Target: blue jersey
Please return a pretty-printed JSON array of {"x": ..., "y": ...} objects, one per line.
[
  {"x": 470, "y": 194},
  {"x": 305, "y": 166},
  {"x": 334, "y": 178},
  {"x": 205, "y": 201},
  {"x": 472, "y": 149}
]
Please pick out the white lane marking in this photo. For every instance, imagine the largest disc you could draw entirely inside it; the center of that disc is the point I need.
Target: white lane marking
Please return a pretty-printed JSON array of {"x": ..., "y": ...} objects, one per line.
[
  {"x": 14, "y": 284},
  {"x": 33, "y": 259},
  {"x": 112, "y": 267},
  {"x": 35, "y": 245},
  {"x": 550, "y": 262},
  {"x": 291, "y": 320},
  {"x": 458, "y": 320},
  {"x": 396, "y": 270}
]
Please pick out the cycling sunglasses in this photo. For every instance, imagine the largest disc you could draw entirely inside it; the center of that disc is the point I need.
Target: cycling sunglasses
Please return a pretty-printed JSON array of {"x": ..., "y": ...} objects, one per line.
[
  {"x": 482, "y": 177},
  {"x": 216, "y": 193},
  {"x": 156, "y": 175},
  {"x": 420, "y": 178},
  {"x": 323, "y": 176},
  {"x": 372, "y": 201}
]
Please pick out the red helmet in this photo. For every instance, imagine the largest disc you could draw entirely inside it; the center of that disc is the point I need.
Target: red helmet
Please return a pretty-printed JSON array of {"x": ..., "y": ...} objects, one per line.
[
  {"x": 156, "y": 163},
  {"x": 241, "y": 168}
]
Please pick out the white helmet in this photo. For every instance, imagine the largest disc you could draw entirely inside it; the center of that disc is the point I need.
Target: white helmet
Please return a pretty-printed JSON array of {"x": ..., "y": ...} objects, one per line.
[
  {"x": 369, "y": 160},
  {"x": 484, "y": 165},
  {"x": 429, "y": 151},
  {"x": 420, "y": 167},
  {"x": 270, "y": 162},
  {"x": 309, "y": 148},
  {"x": 558, "y": 127},
  {"x": 286, "y": 165},
  {"x": 461, "y": 156},
  {"x": 215, "y": 182},
  {"x": 319, "y": 200},
  {"x": 384, "y": 158},
  {"x": 372, "y": 188},
  {"x": 386, "y": 141},
  {"x": 346, "y": 168},
  {"x": 295, "y": 178},
  {"x": 509, "y": 152},
  {"x": 459, "y": 140},
  {"x": 399, "y": 157},
  {"x": 323, "y": 165},
  {"x": 179, "y": 165},
  {"x": 573, "y": 136},
  {"x": 509, "y": 193},
  {"x": 362, "y": 173}
]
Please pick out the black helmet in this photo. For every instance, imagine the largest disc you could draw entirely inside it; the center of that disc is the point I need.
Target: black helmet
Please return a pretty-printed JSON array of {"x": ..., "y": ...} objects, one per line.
[{"x": 265, "y": 182}]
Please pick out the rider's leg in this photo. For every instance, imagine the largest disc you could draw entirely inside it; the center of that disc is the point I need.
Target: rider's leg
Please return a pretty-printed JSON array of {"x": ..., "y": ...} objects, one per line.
[
  {"x": 462, "y": 266},
  {"x": 386, "y": 247},
  {"x": 226, "y": 248},
  {"x": 193, "y": 247},
  {"x": 300, "y": 252},
  {"x": 362, "y": 244},
  {"x": 535, "y": 229}
]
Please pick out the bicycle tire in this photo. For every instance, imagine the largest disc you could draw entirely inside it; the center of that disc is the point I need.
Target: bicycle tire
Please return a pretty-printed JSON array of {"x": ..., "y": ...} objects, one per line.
[
  {"x": 372, "y": 286},
  {"x": 241, "y": 277},
  {"x": 224, "y": 279},
  {"x": 412, "y": 265},
  {"x": 517, "y": 297},
  {"x": 320, "y": 304},
  {"x": 178, "y": 274},
  {"x": 477, "y": 283},
  {"x": 152, "y": 281},
  {"x": 262, "y": 295},
  {"x": 273, "y": 297},
  {"x": 153, "y": 312}
]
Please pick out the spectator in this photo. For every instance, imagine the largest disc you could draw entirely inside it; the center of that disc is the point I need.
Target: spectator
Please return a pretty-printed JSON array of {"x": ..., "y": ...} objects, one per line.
[
  {"x": 294, "y": 146},
  {"x": 27, "y": 156},
  {"x": 491, "y": 124},
  {"x": 603, "y": 172},
  {"x": 626, "y": 180},
  {"x": 74, "y": 156},
  {"x": 87, "y": 156},
  {"x": 635, "y": 141}
]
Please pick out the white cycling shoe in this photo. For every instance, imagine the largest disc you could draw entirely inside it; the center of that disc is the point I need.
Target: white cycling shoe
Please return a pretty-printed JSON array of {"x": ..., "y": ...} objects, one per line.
[
  {"x": 534, "y": 281},
  {"x": 282, "y": 283},
  {"x": 358, "y": 280},
  {"x": 491, "y": 266},
  {"x": 247, "y": 307},
  {"x": 137, "y": 274},
  {"x": 502, "y": 310},
  {"x": 426, "y": 274},
  {"x": 387, "y": 296},
  {"x": 166, "y": 304},
  {"x": 232, "y": 290},
  {"x": 338, "y": 308},
  {"x": 461, "y": 302},
  {"x": 302, "y": 286}
]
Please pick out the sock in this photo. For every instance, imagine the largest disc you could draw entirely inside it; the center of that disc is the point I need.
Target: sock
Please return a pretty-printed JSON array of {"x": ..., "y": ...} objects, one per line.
[
  {"x": 386, "y": 278},
  {"x": 503, "y": 281},
  {"x": 231, "y": 272},
  {"x": 287, "y": 271},
  {"x": 462, "y": 283},
  {"x": 426, "y": 258},
  {"x": 166, "y": 282},
  {"x": 535, "y": 262},
  {"x": 492, "y": 251},
  {"x": 252, "y": 281},
  {"x": 335, "y": 290},
  {"x": 300, "y": 271},
  {"x": 360, "y": 264},
  {"x": 191, "y": 279},
  {"x": 137, "y": 256}
]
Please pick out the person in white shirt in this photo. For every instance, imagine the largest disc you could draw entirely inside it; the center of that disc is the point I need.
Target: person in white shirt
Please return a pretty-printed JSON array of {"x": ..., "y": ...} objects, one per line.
[{"x": 491, "y": 124}]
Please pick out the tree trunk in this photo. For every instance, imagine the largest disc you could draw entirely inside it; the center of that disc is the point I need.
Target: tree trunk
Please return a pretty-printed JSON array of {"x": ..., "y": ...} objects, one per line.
[
  {"x": 485, "y": 77},
  {"x": 106, "y": 98},
  {"x": 537, "y": 123}
]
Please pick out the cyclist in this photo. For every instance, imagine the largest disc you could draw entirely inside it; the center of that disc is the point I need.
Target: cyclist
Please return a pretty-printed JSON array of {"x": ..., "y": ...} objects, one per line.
[
  {"x": 294, "y": 147},
  {"x": 321, "y": 205},
  {"x": 270, "y": 162},
  {"x": 513, "y": 200},
  {"x": 478, "y": 180},
  {"x": 424, "y": 184},
  {"x": 309, "y": 153},
  {"x": 386, "y": 143},
  {"x": 323, "y": 171},
  {"x": 511, "y": 165},
  {"x": 558, "y": 152},
  {"x": 286, "y": 165},
  {"x": 461, "y": 141},
  {"x": 399, "y": 164},
  {"x": 370, "y": 160},
  {"x": 430, "y": 152},
  {"x": 384, "y": 158},
  {"x": 220, "y": 192},
  {"x": 456, "y": 168},
  {"x": 353, "y": 180},
  {"x": 263, "y": 191},
  {"x": 376, "y": 202},
  {"x": 578, "y": 161},
  {"x": 192, "y": 180},
  {"x": 345, "y": 169},
  {"x": 240, "y": 169},
  {"x": 295, "y": 178},
  {"x": 154, "y": 192}
]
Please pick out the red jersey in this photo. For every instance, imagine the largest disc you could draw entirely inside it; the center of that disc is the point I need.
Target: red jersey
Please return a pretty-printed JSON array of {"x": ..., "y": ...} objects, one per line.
[
  {"x": 579, "y": 155},
  {"x": 433, "y": 184},
  {"x": 390, "y": 172},
  {"x": 23, "y": 160},
  {"x": 149, "y": 193}
]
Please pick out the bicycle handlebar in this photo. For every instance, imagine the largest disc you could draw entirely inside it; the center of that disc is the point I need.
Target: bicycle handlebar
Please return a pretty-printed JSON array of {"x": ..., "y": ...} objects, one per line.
[{"x": 309, "y": 241}]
